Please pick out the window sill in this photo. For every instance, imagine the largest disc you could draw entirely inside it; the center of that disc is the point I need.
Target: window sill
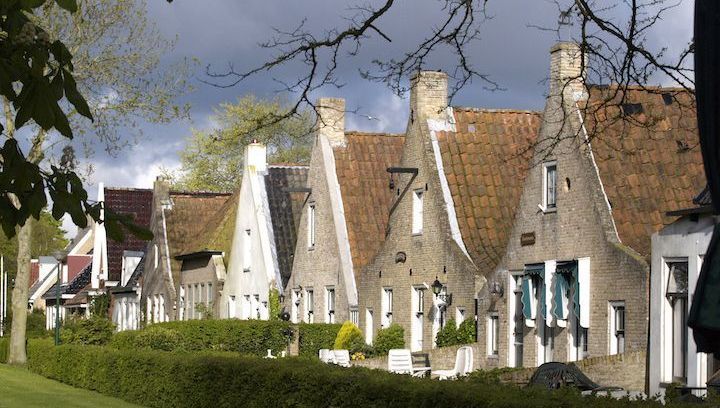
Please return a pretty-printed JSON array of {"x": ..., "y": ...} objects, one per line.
[
  {"x": 311, "y": 248},
  {"x": 246, "y": 270},
  {"x": 417, "y": 234},
  {"x": 493, "y": 356},
  {"x": 547, "y": 210}
]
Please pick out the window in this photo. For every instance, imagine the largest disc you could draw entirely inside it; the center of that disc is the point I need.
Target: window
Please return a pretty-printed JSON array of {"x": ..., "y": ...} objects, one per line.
[
  {"x": 311, "y": 226},
  {"x": 617, "y": 327},
  {"x": 493, "y": 334},
  {"x": 459, "y": 316},
  {"x": 295, "y": 307},
  {"x": 581, "y": 341},
  {"x": 420, "y": 301},
  {"x": 210, "y": 294},
  {"x": 677, "y": 296},
  {"x": 355, "y": 317},
  {"x": 369, "y": 321},
  {"x": 417, "y": 214},
  {"x": 256, "y": 307},
  {"x": 246, "y": 307},
  {"x": 548, "y": 342},
  {"x": 549, "y": 186},
  {"x": 518, "y": 321},
  {"x": 231, "y": 307},
  {"x": 387, "y": 307},
  {"x": 183, "y": 304},
  {"x": 246, "y": 251},
  {"x": 309, "y": 306},
  {"x": 330, "y": 305}
]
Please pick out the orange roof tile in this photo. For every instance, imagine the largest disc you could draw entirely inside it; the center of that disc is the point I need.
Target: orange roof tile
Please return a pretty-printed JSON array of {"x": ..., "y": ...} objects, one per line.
[
  {"x": 486, "y": 185},
  {"x": 361, "y": 168},
  {"x": 649, "y": 164}
]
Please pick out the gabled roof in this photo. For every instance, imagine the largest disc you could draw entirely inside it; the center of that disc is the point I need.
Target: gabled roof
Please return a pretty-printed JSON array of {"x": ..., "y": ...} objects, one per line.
[
  {"x": 74, "y": 286},
  {"x": 192, "y": 213},
  {"x": 134, "y": 279},
  {"x": 361, "y": 168},
  {"x": 485, "y": 162},
  {"x": 649, "y": 163},
  {"x": 217, "y": 234},
  {"x": 285, "y": 211},
  {"x": 133, "y": 201}
]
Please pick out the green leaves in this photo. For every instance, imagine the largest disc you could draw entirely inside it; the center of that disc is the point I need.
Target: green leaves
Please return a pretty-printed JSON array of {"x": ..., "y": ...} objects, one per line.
[{"x": 69, "y": 5}]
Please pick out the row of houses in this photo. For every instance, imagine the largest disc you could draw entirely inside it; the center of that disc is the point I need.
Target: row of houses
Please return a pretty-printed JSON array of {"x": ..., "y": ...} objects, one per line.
[{"x": 564, "y": 234}]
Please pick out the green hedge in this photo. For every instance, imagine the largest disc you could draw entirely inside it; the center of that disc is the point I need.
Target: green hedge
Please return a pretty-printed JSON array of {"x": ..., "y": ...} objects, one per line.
[
  {"x": 215, "y": 379},
  {"x": 316, "y": 336},
  {"x": 244, "y": 336},
  {"x": 452, "y": 335},
  {"x": 392, "y": 337}
]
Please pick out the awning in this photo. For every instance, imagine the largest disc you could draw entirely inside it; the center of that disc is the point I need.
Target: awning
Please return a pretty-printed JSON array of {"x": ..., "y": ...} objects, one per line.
[
  {"x": 533, "y": 283},
  {"x": 566, "y": 282}
]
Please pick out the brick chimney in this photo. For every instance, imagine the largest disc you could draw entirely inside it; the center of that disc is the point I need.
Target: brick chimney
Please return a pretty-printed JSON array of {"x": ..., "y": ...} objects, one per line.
[
  {"x": 256, "y": 156},
  {"x": 331, "y": 120},
  {"x": 428, "y": 94},
  {"x": 565, "y": 68}
]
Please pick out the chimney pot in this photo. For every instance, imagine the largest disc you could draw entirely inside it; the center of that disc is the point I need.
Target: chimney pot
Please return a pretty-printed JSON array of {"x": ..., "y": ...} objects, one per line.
[{"x": 256, "y": 156}]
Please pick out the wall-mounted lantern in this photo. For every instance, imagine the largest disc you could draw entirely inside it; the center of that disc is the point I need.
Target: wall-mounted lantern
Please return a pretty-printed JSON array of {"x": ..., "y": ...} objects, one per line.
[{"x": 496, "y": 288}]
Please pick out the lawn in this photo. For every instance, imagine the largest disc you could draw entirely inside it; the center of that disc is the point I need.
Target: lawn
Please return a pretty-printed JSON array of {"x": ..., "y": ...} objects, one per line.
[{"x": 21, "y": 388}]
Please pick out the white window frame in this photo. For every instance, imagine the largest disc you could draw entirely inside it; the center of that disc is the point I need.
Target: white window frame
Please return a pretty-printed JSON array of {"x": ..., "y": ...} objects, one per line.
[
  {"x": 247, "y": 250},
  {"x": 309, "y": 305},
  {"x": 386, "y": 304},
  {"x": 355, "y": 316},
  {"x": 311, "y": 233},
  {"x": 330, "y": 304},
  {"x": 369, "y": 329},
  {"x": 231, "y": 306},
  {"x": 459, "y": 316},
  {"x": 616, "y": 347},
  {"x": 417, "y": 211},
  {"x": 295, "y": 306},
  {"x": 493, "y": 335},
  {"x": 546, "y": 206}
]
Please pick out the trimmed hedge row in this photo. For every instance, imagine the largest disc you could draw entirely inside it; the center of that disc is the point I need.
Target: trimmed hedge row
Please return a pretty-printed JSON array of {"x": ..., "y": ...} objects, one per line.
[
  {"x": 244, "y": 336},
  {"x": 316, "y": 336},
  {"x": 216, "y": 379}
]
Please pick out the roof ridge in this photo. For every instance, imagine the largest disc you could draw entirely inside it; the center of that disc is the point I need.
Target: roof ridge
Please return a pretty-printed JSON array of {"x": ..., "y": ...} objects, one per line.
[
  {"x": 127, "y": 189},
  {"x": 639, "y": 87},
  {"x": 495, "y": 110},
  {"x": 362, "y": 133},
  {"x": 201, "y": 193},
  {"x": 288, "y": 165}
]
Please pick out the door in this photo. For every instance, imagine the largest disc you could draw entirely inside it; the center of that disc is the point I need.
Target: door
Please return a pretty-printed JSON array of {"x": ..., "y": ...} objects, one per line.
[{"x": 417, "y": 317}]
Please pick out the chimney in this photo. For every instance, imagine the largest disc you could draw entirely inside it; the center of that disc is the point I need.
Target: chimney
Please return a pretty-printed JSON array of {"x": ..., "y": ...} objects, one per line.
[
  {"x": 331, "y": 120},
  {"x": 566, "y": 74},
  {"x": 256, "y": 156},
  {"x": 428, "y": 94}
]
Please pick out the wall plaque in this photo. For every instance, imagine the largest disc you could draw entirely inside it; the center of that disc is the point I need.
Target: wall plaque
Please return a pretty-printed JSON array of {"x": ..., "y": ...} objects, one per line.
[{"x": 527, "y": 238}]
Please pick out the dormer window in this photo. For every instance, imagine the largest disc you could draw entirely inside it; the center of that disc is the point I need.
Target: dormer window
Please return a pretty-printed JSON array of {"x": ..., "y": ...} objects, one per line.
[
  {"x": 311, "y": 226},
  {"x": 549, "y": 174},
  {"x": 417, "y": 212}
]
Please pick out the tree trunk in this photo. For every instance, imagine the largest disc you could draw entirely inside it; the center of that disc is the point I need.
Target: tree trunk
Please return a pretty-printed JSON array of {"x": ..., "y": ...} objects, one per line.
[{"x": 17, "y": 353}]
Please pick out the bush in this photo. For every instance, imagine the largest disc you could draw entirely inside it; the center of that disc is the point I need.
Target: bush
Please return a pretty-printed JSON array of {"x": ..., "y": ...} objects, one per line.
[
  {"x": 91, "y": 331},
  {"x": 392, "y": 337},
  {"x": 160, "y": 379},
  {"x": 244, "y": 336},
  {"x": 36, "y": 325},
  {"x": 316, "y": 336},
  {"x": 451, "y": 335},
  {"x": 348, "y": 336}
]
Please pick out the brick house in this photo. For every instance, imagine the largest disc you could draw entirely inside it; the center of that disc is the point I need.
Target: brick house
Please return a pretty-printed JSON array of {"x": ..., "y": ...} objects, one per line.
[
  {"x": 344, "y": 217},
  {"x": 457, "y": 188},
  {"x": 574, "y": 281},
  {"x": 263, "y": 235},
  {"x": 178, "y": 218}
]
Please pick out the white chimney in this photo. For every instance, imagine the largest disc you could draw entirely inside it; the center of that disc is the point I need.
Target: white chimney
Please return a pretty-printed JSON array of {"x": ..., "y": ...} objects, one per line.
[
  {"x": 256, "y": 156},
  {"x": 428, "y": 94},
  {"x": 566, "y": 71},
  {"x": 331, "y": 120}
]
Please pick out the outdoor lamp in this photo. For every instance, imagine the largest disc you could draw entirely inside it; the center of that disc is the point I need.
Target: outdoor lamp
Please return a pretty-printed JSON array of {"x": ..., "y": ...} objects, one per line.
[
  {"x": 281, "y": 298},
  {"x": 437, "y": 287}
]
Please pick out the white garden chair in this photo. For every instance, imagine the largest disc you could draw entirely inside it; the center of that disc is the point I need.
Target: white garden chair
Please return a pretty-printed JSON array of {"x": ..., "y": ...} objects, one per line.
[
  {"x": 468, "y": 368},
  {"x": 326, "y": 356},
  {"x": 341, "y": 357},
  {"x": 400, "y": 362},
  {"x": 457, "y": 370}
]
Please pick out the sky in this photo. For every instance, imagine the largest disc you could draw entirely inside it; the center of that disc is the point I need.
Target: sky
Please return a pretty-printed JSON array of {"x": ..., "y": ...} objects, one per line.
[{"x": 222, "y": 32}]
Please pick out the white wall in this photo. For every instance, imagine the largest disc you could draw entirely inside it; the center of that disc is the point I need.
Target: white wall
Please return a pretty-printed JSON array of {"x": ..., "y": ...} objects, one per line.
[{"x": 683, "y": 239}]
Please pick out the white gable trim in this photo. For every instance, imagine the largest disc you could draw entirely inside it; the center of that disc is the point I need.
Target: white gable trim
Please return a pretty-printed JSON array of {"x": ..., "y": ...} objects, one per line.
[
  {"x": 448, "y": 125},
  {"x": 264, "y": 223},
  {"x": 99, "y": 258},
  {"x": 338, "y": 211},
  {"x": 597, "y": 174}
]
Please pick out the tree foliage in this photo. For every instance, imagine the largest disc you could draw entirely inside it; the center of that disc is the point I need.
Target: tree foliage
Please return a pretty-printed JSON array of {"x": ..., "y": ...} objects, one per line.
[
  {"x": 47, "y": 237},
  {"x": 213, "y": 160}
]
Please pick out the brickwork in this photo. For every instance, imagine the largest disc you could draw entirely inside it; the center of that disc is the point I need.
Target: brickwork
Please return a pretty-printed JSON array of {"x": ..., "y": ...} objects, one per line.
[
  {"x": 431, "y": 254},
  {"x": 580, "y": 226}
]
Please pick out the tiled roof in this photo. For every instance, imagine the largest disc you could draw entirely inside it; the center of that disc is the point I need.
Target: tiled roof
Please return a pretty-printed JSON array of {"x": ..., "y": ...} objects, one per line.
[
  {"x": 74, "y": 286},
  {"x": 217, "y": 235},
  {"x": 285, "y": 210},
  {"x": 361, "y": 168},
  {"x": 191, "y": 214},
  {"x": 138, "y": 203},
  {"x": 485, "y": 162},
  {"x": 649, "y": 164}
]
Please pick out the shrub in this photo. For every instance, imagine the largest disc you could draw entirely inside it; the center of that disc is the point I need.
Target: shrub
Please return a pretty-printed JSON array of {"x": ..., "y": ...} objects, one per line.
[
  {"x": 93, "y": 331},
  {"x": 392, "y": 337},
  {"x": 348, "y": 336},
  {"x": 160, "y": 379},
  {"x": 316, "y": 336},
  {"x": 4, "y": 349},
  {"x": 452, "y": 335},
  {"x": 243, "y": 336},
  {"x": 36, "y": 325}
]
